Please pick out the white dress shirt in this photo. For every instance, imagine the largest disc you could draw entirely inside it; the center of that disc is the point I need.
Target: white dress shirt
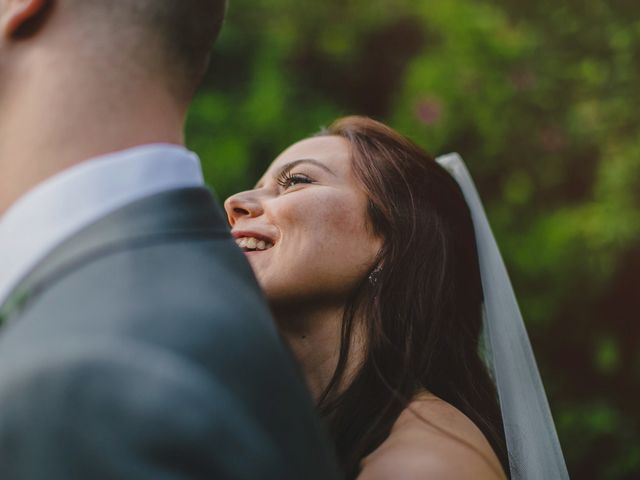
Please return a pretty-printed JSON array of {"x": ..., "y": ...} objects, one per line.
[{"x": 64, "y": 204}]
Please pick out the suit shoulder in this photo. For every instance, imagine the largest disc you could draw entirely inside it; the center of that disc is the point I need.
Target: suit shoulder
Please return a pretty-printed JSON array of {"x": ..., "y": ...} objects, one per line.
[{"x": 119, "y": 406}]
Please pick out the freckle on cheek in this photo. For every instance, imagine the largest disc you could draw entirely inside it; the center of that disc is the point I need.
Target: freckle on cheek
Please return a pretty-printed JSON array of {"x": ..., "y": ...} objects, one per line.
[{"x": 347, "y": 222}]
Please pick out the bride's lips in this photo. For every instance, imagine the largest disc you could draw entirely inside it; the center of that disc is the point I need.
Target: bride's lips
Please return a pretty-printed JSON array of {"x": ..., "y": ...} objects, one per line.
[{"x": 252, "y": 242}]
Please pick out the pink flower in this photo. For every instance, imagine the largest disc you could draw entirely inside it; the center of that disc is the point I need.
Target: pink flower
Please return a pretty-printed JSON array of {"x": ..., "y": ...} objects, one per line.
[{"x": 429, "y": 110}]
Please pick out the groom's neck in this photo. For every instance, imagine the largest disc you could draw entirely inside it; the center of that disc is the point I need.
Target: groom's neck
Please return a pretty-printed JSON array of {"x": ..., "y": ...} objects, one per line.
[{"x": 50, "y": 121}]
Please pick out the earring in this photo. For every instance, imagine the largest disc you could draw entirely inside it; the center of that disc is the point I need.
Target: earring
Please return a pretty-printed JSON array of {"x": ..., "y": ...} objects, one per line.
[{"x": 374, "y": 275}]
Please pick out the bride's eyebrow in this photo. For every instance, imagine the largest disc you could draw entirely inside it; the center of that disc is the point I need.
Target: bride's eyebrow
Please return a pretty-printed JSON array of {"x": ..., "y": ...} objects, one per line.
[{"x": 291, "y": 165}]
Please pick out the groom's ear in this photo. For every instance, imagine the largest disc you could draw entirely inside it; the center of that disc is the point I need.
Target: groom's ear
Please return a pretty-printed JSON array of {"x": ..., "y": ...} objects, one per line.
[{"x": 16, "y": 15}]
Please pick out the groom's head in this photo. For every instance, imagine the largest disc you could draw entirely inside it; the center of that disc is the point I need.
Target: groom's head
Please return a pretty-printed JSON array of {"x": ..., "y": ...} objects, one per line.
[{"x": 165, "y": 40}]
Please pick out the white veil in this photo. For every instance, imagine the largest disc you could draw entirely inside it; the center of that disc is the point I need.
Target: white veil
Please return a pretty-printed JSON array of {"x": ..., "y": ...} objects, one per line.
[{"x": 532, "y": 442}]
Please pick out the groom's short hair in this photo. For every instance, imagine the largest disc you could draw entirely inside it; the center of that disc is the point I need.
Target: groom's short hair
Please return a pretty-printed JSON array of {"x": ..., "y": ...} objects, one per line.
[{"x": 181, "y": 33}]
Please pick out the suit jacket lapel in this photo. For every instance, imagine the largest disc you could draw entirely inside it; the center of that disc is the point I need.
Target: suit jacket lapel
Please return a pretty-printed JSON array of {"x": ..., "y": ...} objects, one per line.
[{"x": 190, "y": 212}]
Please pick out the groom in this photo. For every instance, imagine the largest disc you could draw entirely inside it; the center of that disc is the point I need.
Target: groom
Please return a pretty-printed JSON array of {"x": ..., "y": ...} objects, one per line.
[{"x": 134, "y": 341}]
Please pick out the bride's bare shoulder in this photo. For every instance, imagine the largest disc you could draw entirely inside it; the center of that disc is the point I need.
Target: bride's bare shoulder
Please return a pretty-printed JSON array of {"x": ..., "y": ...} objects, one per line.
[{"x": 432, "y": 439}]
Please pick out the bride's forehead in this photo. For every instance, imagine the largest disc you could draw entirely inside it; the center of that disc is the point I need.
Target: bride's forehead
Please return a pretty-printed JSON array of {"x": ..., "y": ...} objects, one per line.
[{"x": 331, "y": 150}]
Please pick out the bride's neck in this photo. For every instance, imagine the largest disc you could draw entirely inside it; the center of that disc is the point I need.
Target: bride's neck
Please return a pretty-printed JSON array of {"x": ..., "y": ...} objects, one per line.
[{"x": 314, "y": 336}]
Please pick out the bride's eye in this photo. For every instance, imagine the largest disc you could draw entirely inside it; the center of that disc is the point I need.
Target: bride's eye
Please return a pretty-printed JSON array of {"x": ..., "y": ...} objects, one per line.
[{"x": 288, "y": 179}]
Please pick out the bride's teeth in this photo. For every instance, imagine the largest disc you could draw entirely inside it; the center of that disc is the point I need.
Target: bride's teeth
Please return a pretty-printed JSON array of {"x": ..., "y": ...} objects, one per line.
[{"x": 253, "y": 243}]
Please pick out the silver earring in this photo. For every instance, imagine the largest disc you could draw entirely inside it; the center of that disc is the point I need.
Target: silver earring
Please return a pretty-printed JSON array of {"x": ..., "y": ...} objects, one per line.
[{"x": 374, "y": 275}]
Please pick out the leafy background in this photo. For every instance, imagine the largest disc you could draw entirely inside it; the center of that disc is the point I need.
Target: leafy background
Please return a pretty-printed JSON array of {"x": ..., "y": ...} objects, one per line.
[{"x": 541, "y": 99}]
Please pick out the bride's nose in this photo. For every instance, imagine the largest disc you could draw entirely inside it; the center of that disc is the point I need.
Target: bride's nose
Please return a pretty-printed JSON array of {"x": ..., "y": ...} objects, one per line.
[{"x": 243, "y": 204}]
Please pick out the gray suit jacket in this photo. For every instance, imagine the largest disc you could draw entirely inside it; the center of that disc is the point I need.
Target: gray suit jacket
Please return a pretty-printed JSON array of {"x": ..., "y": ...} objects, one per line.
[{"x": 142, "y": 348}]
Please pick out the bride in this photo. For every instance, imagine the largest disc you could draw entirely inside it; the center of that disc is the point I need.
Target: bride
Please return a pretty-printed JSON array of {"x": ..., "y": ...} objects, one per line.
[{"x": 365, "y": 248}]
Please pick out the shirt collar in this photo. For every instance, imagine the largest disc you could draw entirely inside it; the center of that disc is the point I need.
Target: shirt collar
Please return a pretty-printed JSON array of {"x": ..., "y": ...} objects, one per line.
[{"x": 71, "y": 200}]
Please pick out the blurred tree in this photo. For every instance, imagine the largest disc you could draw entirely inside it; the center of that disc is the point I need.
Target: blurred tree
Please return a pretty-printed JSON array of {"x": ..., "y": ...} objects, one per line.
[{"x": 540, "y": 98}]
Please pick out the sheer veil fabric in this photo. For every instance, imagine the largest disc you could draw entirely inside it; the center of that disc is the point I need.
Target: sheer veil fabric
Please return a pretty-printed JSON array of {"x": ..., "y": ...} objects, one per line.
[{"x": 532, "y": 441}]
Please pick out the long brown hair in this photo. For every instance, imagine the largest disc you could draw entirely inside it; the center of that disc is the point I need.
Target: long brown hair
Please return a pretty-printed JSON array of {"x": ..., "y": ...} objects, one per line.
[{"x": 421, "y": 307}]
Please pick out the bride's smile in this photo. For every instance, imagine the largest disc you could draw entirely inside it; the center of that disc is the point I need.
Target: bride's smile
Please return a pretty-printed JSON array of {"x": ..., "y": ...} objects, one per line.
[
  {"x": 303, "y": 227},
  {"x": 252, "y": 242}
]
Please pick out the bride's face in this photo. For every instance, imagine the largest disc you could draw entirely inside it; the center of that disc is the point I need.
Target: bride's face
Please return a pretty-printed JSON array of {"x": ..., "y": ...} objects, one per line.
[{"x": 304, "y": 226}]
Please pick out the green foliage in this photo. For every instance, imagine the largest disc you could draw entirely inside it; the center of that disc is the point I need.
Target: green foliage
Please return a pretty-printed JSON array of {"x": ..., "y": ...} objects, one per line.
[{"x": 540, "y": 98}]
